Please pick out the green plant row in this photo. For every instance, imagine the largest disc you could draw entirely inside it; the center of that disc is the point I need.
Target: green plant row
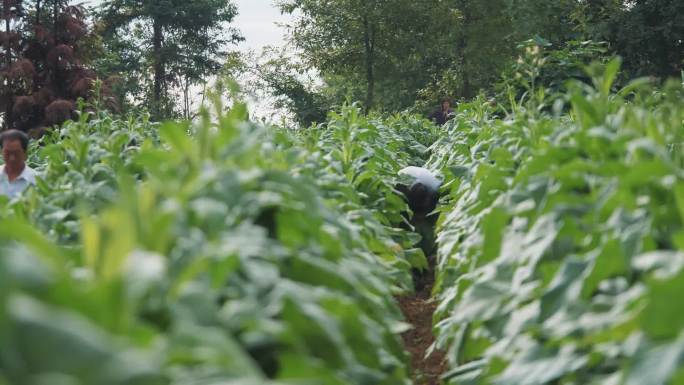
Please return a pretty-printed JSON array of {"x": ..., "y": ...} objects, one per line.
[
  {"x": 560, "y": 241},
  {"x": 221, "y": 252}
]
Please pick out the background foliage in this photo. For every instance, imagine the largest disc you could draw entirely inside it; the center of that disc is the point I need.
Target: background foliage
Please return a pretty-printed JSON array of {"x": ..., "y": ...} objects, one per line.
[
  {"x": 44, "y": 64},
  {"x": 459, "y": 48}
]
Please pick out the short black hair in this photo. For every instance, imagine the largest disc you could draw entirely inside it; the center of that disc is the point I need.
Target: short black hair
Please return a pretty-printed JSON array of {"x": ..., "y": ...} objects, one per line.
[{"x": 15, "y": 135}]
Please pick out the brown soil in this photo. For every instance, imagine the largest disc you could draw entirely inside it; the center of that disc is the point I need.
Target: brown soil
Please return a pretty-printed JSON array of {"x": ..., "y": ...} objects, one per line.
[{"x": 418, "y": 310}]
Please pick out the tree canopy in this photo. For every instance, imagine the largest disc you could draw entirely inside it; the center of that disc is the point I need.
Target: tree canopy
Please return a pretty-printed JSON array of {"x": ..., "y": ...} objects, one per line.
[
  {"x": 376, "y": 51},
  {"x": 390, "y": 54},
  {"x": 155, "y": 55},
  {"x": 170, "y": 44},
  {"x": 44, "y": 66}
]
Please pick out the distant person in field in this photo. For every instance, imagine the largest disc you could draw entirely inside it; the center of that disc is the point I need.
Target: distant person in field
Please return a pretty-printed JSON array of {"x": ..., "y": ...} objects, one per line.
[
  {"x": 444, "y": 113},
  {"x": 15, "y": 174}
]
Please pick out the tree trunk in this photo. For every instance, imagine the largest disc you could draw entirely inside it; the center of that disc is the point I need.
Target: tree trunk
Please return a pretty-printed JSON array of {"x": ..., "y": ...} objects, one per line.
[
  {"x": 55, "y": 14},
  {"x": 462, "y": 45},
  {"x": 186, "y": 99},
  {"x": 369, "y": 45},
  {"x": 38, "y": 9},
  {"x": 7, "y": 16},
  {"x": 159, "y": 75},
  {"x": 9, "y": 119},
  {"x": 59, "y": 75}
]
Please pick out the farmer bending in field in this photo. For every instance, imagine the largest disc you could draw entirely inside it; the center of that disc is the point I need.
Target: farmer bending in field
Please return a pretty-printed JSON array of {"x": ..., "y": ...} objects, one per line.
[
  {"x": 15, "y": 174},
  {"x": 444, "y": 113},
  {"x": 422, "y": 193}
]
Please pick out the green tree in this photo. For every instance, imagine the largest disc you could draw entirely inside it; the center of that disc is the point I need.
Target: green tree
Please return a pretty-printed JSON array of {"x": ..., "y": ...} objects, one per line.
[
  {"x": 485, "y": 43},
  {"x": 374, "y": 50},
  {"x": 173, "y": 43},
  {"x": 485, "y": 38},
  {"x": 391, "y": 53},
  {"x": 290, "y": 85},
  {"x": 648, "y": 34},
  {"x": 480, "y": 45},
  {"x": 551, "y": 20}
]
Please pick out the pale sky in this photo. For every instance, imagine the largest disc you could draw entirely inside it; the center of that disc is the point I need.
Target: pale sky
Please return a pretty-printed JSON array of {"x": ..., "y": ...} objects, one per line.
[{"x": 257, "y": 20}]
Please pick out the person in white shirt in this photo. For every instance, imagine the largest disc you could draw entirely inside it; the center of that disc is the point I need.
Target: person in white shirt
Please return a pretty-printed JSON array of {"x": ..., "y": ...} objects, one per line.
[
  {"x": 15, "y": 174},
  {"x": 423, "y": 191},
  {"x": 421, "y": 188}
]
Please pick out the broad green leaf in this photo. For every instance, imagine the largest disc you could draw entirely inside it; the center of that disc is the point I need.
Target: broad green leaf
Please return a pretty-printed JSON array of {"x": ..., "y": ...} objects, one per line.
[
  {"x": 493, "y": 227},
  {"x": 661, "y": 319}
]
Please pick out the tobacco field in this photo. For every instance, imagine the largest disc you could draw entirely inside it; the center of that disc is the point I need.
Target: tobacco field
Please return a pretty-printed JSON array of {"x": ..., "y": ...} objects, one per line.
[{"x": 224, "y": 251}]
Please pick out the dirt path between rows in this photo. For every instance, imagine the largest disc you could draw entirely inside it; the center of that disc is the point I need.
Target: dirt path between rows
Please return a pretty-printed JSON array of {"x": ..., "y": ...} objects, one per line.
[{"x": 418, "y": 310}]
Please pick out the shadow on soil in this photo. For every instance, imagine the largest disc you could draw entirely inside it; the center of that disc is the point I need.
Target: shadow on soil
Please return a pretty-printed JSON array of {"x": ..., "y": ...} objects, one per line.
[{"x": 418, "y": 309}]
